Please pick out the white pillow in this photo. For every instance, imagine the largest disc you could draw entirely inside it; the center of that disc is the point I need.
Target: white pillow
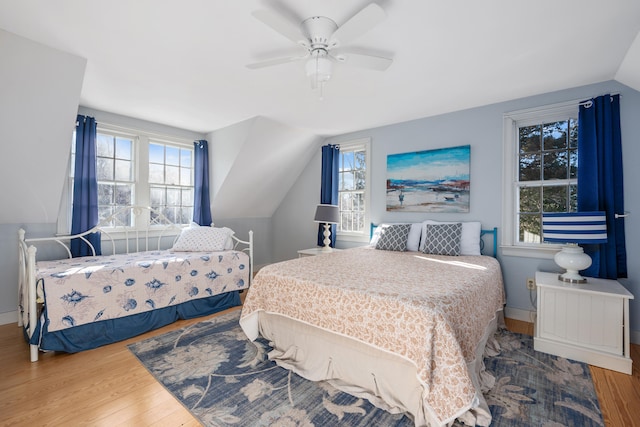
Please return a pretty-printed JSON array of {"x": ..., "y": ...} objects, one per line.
[
  {"x": 413, "y": 241},
  {"x": 204, "y": 239},
  {"x": 469, "y": 240}
]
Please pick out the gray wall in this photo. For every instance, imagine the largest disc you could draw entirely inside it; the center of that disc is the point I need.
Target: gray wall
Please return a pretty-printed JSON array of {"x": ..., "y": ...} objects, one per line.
[{"x": 482, "y": 129}]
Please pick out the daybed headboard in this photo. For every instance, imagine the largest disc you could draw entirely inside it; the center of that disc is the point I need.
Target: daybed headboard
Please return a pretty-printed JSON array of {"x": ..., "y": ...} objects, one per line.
[
  {"x": 486, "y": 235},
  {"x": 152, "y": 231}
]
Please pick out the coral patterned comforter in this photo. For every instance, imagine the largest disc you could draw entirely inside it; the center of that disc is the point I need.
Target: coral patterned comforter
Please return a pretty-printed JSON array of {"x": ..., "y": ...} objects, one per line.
[
  {"x": 89, "y": 289},
  {"x": 429, "y": 309}
]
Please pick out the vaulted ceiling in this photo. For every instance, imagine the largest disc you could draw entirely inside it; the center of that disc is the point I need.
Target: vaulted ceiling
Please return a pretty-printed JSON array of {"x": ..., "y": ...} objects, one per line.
[{"x": 183, "y": 63}]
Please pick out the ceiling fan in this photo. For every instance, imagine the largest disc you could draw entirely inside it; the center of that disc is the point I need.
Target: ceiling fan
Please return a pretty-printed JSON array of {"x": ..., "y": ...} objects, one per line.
[{"x": 323, "y": 40}]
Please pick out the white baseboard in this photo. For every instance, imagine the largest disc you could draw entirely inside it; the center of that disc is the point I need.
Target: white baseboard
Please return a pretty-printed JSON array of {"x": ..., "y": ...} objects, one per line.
[
  {"x": 519, "y": 314},
  {"x": 9, "y": 317}
]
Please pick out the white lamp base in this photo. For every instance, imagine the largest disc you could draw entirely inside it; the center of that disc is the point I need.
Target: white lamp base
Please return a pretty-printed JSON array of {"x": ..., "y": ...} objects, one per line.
[
  {"x": 327, "y": 238},
  {"x": 573, "y": 259}
]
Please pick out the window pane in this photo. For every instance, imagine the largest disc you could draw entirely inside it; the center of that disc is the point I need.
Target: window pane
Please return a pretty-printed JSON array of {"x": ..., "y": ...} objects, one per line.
[
  {"x": 359, "y": 201},
  {"x": 172, "y": 176},
  {"x": 170, "y": 213},
  {"x": 185, "y": 215},
  {"x": 104, "y": 169},
  {"x": 346, "y": 202},
  {"x": 123, "y": 219},
  {"x": 554, "y": 199},
  {"x": 123, "y": 148},
  {"x": 173, "y": 197},
  {"x": 529, "y": 137},
  {"x": 573, "y": 164},
  {"x": 123, "y": 195},
  {"x": 185, "y": 176},
  {"x": 530, "y": 228},
  {"x": 555, "y": 135},
  {"x": 187, "y": 198},
  {"x": 360, "y": 160},
  {"x": 348, "y": 181},
  {"x": 157, "y": 197},
  {"x": 555, "y": 165},
  {"x": 530, "y": 167},
  {"x": 360, "y": 179},
  {"x": 347, "y": 161},
  {"x": 530, "y": 199},
  {"x": 105, "y": 212},
  {"x": 104, "y": 145},
  {"x": 105, "y": 194},
  {"x": 185, "y": 158},
  {"x": 156, "y": 174},
  {"x": 573, "y": 198},
  {"x": 573, "y": 133},
  {"x": 156, "y": 153},
  {"x": 123, "y": 170},
  {"x": 173, "y": 155}
]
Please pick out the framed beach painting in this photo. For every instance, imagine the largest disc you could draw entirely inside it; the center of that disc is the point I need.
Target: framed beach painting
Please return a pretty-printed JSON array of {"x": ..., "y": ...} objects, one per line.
[{"x": 429, "y": 181}]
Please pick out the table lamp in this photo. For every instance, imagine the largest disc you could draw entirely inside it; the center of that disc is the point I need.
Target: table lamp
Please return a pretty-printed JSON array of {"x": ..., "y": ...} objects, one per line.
[
  {"x": 572, "y": 228},
  {"x": 327, "y": 214}
]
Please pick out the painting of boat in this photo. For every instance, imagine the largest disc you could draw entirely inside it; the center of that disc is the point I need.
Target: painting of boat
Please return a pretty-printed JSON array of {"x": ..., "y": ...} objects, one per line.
[{"x": 429, "y": 181}]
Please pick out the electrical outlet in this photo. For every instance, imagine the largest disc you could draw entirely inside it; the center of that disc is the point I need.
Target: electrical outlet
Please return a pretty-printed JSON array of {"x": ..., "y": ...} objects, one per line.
[{"x": 531, "y": 283}]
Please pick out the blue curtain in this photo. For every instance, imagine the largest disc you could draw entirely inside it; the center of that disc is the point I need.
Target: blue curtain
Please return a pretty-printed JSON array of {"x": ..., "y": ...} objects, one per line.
[
  {"x": 85, "y": 188},
  {"x": 201, "y": 203},
  {"x": 329, "y": 186},
  {"x": 600, "y": 184}
]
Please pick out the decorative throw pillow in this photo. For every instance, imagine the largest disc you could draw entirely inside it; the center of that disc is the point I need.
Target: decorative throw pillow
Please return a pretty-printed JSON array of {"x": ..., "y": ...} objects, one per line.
[
  {"x": 469, "y": 239},
  {"x": 443, "y": 239},
  {"x": 394, "y": 237},
  {"x": 413, "y": 240},
  {"x": 203, "y": 239}
]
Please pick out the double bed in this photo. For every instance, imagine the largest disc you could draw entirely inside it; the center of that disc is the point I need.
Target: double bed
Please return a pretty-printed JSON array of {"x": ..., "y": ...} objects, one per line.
[
  {"x": 144, "y": 279},
  {"x": 405, "y": 329}
]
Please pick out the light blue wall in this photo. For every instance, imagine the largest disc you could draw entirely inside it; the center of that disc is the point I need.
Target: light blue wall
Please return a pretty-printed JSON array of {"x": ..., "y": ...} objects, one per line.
[{"x": 481, "y": 128}]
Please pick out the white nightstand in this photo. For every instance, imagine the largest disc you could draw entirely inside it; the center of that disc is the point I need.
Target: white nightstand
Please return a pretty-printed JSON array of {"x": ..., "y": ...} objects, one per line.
[
  {"x": 588, "y": 322},
  {"x": 315, "y": 251}
]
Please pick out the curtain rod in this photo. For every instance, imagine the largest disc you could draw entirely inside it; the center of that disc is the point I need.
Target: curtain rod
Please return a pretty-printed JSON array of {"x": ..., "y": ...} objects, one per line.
[{"x": 588, "y": 102}]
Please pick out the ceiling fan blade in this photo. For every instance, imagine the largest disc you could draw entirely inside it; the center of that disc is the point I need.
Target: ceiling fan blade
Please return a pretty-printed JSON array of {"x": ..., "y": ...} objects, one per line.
[
  {"x": 378, "y": 63},
  {"x": 281, "y": 25},
  {"x": 359, "y": 24},
  {"x": 275, "y": 61}
]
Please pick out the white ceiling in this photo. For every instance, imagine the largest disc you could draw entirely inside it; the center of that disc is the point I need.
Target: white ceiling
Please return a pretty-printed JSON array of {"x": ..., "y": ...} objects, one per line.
[{"x": 182, "y": 63}]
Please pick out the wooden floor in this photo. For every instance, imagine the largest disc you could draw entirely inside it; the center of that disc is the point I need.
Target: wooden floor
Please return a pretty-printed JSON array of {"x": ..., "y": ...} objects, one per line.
[{"x": 108, "y": 387}]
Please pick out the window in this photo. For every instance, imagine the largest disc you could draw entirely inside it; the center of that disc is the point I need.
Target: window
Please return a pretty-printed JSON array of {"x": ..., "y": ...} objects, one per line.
[
  {"x": 541, "y": 173},
  {"x": 171, "y": 181},
  {"x": 115, "y": 173},
  {"x": 134, "y": 168},
  {"x": 353, "y": 190}
]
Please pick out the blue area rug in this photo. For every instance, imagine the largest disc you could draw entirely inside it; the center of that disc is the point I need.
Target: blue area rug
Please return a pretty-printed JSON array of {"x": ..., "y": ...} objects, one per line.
[{"x": 223, "y": 379}]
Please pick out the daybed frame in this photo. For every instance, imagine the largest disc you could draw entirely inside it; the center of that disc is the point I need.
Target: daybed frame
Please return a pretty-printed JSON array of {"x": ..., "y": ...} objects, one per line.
[{"x": 117, "y": 237}]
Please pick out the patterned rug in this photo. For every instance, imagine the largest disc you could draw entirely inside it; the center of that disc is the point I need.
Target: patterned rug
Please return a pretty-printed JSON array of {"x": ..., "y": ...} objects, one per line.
[{"x": 226, "y": 380}]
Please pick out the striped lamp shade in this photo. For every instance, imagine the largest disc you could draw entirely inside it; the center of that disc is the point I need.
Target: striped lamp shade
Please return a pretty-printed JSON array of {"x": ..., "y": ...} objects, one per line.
[{"x": 574, "y": 227}]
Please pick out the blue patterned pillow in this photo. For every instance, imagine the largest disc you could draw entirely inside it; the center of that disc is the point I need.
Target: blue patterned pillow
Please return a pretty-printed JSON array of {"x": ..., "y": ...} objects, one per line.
[
  {"x": 443, "y": 239},
  {"x": 394, "y": 237}
]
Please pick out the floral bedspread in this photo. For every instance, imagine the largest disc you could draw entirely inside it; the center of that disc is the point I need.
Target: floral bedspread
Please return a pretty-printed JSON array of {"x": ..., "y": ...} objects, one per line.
[
  {"x": 89, "y": 289},
  {"x": 429, "y": 309}
]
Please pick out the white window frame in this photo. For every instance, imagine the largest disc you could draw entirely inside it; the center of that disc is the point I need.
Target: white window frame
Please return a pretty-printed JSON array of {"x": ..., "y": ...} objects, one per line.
[
  {"x": 511, "y": 122},
  {"x": 363, "y": 236},
  {"x": 141, "y": 141}
]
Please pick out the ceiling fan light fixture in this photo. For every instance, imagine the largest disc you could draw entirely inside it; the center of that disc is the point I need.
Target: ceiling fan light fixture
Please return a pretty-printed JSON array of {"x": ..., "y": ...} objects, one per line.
[{"x": 318, "y": 69}]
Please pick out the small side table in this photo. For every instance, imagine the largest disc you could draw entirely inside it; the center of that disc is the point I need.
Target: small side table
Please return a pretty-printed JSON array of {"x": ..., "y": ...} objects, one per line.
[
  {"x": 588, "y": 322},
  {"x": 315, "y": 251}
]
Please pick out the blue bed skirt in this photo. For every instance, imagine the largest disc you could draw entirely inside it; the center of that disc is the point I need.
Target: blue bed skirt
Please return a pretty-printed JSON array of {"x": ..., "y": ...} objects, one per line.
[{"x": 92, "y": 335}]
